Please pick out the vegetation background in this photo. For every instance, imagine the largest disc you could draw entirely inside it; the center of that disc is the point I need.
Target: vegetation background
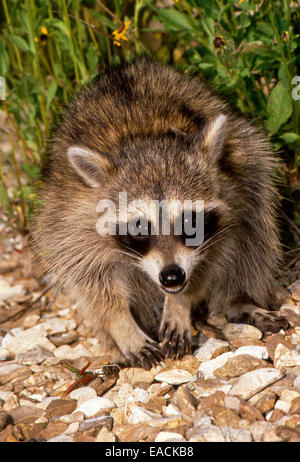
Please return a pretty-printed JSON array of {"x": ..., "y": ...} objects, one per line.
[{"x": 247, "y": 50}]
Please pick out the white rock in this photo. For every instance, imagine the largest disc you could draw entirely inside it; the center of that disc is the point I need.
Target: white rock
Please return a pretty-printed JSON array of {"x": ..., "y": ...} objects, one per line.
[
  {"x": 286, "y": 398},
  {"x": 74, "y": 417},
  {"x": 56, "y": 326},
  {"x": 10, "y": 400},
  {"x": 282, "y": 405},
  {"x": 27, "y": 339},
  {"x": 174, "y": 376},
  {"x": 37, "y": 396},
  {"x": 286, "y": 308},
  {"x": 139, "y": 395},
  {"x": 164, "y": 437},
  {"x": 31, "y": 320},
  {"x": 237, "y": 435},
  {"x": 94, "y": 405},
  {"x": 284, "y": 357},
  {"x": 171, "y": 410},
  {"x": 16, "y": 330},
  {"x": 201, "y": 420},
  {"x": 253, "y": 350},
  {"x": 232, "y": 331},
  {"x": 61, "y": 439},
  {"x": 139, "y": 414},
  {"x": 297, "y": 381},
  {"x": 252, "y": 382},
  {"x": 8, "y": 368},
  {"x": 64, "y": 312},
  {"x": 123, "y": 394},
  {"x": 208, "y": 433},
  {"x": 259, "y": 428},
  {"x": 72, "y": 428},
  {"x": 7, "y": 291},
  {"x": 212, "y": 433},
  {"x": 203, "y": 390},
  {"x": 68, "y": 352},
  {"x": 207, "y": 368},
  {"x": 232, "y": 402},
  {"x": 206, "y": 351},
  {"x": 83, "y": 394},
  {"x": 45, "y": 403},
  {"x": 105, "y": 436},
  {"x": 4, "y": 354}
]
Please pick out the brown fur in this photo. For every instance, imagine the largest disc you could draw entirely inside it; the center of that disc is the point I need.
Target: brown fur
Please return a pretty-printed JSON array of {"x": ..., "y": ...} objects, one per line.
[{"x": 150, "y": 129}]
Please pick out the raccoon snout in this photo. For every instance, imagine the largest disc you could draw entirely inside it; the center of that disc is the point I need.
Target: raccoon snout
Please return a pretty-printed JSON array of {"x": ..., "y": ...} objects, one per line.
[{"x": 172, "y": 278}]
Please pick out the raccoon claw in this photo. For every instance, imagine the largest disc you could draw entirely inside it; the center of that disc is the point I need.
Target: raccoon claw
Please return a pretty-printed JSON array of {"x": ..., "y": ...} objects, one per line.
[
  {"x": 148, "y": 356},
  {"x": 175, "y": 344},
  {"x": 269, "y": 322},
  {"x": 266, "y": 321}
]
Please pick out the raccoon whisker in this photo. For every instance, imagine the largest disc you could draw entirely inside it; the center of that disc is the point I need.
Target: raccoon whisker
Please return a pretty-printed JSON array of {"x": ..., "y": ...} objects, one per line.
[
  {"x": 129, "y": 255},
  {"x": 212, "y": 240},
  {"x": 135, "y": 252},
  {"x": 200, "y": 252}
]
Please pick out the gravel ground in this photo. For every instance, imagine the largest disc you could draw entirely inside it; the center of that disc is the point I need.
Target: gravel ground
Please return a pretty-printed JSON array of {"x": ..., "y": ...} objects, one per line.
[{"x": 239, "y": 385}]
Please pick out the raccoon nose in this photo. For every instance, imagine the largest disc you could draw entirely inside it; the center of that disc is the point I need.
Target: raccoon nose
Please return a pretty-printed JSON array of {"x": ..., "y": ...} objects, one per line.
[{"x": 172, "y": 276}]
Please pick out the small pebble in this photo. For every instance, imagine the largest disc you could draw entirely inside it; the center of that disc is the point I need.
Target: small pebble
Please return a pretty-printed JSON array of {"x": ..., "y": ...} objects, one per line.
[
  {"x": 91, "y": 406},
  {"x": 174, "y": 376},
  {"x": 232, "y": 331},
  {"x": 252, "y": 382},
  {"x": 165, "y": 437}
]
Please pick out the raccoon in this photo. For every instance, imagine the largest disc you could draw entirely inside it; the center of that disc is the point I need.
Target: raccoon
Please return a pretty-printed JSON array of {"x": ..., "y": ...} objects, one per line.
[{"x": 156, "y": 134}]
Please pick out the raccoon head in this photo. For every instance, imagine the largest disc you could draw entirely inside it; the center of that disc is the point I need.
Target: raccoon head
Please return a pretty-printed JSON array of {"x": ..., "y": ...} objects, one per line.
[
  {"x": 169, "y": 256},
  {"x": 169, "y": 221}
]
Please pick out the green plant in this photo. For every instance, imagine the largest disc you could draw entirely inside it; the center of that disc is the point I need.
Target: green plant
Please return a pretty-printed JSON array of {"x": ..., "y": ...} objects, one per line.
[{"x": 247, "y": 50}]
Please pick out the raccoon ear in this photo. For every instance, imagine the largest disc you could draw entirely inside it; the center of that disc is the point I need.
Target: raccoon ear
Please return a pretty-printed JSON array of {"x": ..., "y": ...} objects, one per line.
[
  {"x": 91, "y": 167},
  {"x": 215, "y": 134}
]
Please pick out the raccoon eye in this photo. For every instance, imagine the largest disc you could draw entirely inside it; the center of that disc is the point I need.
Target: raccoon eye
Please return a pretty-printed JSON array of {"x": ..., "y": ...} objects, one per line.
[
  {"x": 139, "y": 229},
  {"x": 211, "y": 224},
  {"x": 188, "y": 222},
  {"x": 137, "y": 239}
]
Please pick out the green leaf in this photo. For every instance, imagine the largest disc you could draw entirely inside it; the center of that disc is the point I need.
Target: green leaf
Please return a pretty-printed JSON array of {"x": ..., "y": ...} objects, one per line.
[
  {"x": 247, "y": 5},
  {"x": 257, "y": 47},
  {"x": 92, "y": 59},
  {"x": 4, "y": 198},
  {"x": 4, "y": 60},
  {"x": 60, "y": 31},
  {"x": 279, "y": 107},
  {"x": 19, "y": 42},
  {"x": 104, "y": 20},
  {"x": 175, "y": 20},
  {"x": 33, "y": 171},
  {"x": 290, "y": 137},
  {"x": 51, "y": 93},
  {"x": 244, "y": 20}
]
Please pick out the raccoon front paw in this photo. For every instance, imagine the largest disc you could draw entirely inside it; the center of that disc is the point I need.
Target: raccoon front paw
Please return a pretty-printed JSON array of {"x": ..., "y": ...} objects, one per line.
[
  {"x": 264, "y": 320},
  {"x": 176, "y": 341},
  {"x": 268, "y": 321},
  {"x": 149, "y": 355}
]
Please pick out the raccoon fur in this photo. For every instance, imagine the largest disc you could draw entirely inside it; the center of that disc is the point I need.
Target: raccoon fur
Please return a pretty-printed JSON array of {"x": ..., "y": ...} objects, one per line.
[{"x": 156, "y": 134}]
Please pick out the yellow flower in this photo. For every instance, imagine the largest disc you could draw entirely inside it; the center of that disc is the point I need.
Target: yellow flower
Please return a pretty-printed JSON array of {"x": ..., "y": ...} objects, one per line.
[
  {"x": 44, "y": 31},
  {"x": 43, "y": 36},
  {"x": 119, "y": 34}
]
